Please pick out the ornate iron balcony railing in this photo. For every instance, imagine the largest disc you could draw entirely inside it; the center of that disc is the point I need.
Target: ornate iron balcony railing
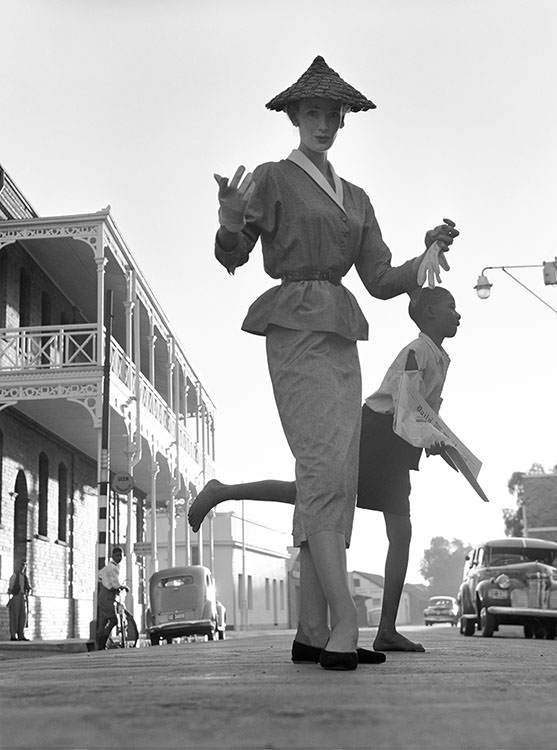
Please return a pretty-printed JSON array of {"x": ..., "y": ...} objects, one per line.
[{"x": 47, "y": 347}]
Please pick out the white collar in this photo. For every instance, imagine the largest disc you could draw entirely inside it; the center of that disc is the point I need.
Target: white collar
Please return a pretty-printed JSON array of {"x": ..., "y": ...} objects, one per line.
[{"x": 299, "y": 158}]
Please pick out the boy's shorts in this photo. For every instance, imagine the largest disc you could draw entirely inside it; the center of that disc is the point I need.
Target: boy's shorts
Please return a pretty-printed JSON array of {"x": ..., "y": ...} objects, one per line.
[{"x": 384, "y": 468}]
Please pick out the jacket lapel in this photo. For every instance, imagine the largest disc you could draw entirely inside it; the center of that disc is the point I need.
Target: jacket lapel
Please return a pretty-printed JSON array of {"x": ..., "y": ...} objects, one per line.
[{"x": 337, "y": 195}]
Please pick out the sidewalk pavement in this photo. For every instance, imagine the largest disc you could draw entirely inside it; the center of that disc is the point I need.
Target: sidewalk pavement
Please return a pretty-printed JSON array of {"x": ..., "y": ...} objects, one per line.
[{"x": 463, "y": 693}]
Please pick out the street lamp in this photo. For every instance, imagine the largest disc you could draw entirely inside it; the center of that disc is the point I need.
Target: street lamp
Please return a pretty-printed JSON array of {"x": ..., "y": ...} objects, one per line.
[{"x": 483, "y": 285}]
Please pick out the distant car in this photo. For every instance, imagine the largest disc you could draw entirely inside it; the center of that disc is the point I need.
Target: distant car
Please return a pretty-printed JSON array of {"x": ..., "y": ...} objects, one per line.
[
  {"x": 183, "y": 602},
  {"x": 510, "y": 581},
  {"x": 441, "y": 609}
]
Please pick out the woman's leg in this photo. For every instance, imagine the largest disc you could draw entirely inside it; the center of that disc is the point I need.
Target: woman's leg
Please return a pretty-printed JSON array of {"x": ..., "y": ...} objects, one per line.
[
  {"x": 328, "y": 554},
  {"x": 215, "y": 492},
  {"x": 312, "y": 629},
  {"x": 399, "y": 533},
  {"x": 317, "y": 387}
]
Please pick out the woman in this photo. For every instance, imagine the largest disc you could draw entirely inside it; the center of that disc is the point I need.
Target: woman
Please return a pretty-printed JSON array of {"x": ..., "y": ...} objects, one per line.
[{"x": 313, "y": 228}]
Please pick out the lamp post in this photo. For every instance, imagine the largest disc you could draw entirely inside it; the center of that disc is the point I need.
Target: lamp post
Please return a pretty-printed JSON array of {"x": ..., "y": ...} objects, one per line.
[{"x": 483, "y": 285}]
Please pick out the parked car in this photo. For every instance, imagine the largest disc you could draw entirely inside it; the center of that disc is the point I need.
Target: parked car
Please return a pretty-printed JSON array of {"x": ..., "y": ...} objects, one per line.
[
  {"x": 183, "y": 602},
  {"x": 510, "y": 581},
  {"x": 441, "y": 609}
]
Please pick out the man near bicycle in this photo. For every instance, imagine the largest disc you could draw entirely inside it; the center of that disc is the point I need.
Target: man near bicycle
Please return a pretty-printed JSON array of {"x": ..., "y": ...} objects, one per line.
[{"x": 109, "y": 587}]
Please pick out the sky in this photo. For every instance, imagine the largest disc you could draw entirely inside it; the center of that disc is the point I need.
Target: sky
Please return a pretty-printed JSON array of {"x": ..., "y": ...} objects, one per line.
[{"x": 136, "y": 103}]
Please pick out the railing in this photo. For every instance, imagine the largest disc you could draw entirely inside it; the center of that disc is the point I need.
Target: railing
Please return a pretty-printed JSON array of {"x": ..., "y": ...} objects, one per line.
[
  {"x": 48, "y": 347},
  {"x": 68, "y": 347},
  {"x": 150, "y": 399}
]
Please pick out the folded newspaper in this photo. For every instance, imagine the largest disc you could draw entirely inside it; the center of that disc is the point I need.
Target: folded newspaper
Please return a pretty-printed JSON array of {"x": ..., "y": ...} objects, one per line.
[{"x": 417, "y": 423}]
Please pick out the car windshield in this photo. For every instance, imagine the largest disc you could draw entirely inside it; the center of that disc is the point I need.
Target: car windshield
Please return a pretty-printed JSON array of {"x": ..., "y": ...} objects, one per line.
[
  {"x": 436, "y": 602},
  {"x": 511, "y": 555}
]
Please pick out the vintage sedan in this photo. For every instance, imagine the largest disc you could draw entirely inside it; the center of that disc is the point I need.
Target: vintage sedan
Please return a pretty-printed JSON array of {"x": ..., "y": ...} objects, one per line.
[
  {"x": 510, "y": 581},
  {"x": 183, "y": 603},
  {"x": 441, "y": 609}
]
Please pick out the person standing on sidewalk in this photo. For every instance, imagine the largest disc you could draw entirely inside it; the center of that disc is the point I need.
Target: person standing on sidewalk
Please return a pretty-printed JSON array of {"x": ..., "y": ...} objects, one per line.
[
  {"x": 313, "y": 228},
  {"x": 18, "y": 589}
]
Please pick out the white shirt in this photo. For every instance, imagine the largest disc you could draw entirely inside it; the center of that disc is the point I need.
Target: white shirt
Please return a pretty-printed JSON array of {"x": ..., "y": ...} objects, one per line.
[
  {"x": 109, "y": 576},
  {"x": 433, "y": 363}
]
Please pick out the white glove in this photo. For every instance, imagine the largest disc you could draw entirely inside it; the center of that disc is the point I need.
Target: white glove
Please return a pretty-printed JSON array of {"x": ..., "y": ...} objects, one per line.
[
  {"x": 433, "y": 259},
  {"x": 234, "y": 199}
]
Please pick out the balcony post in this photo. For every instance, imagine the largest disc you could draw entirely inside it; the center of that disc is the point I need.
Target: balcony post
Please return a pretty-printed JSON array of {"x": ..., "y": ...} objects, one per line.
[
  {"x": 154, "y": 471},
  {"x": 129, "y": 305},
  {"x": 101, "y": 263}
]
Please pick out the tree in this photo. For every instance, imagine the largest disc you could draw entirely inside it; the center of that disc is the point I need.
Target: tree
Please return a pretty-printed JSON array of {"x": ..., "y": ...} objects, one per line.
[
  {"x": 512, "y": 517},
  {"x": 442, "y": 565},
  {"x": 514, "y": 525}
]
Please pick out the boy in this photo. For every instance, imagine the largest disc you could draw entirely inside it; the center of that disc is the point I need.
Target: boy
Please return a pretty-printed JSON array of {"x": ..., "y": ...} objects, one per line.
[{"x": 385, "y": 459}]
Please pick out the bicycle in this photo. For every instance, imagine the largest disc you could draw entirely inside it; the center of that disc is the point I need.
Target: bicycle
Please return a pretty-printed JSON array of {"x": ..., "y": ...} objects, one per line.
[{"x": 124, "y": 634}]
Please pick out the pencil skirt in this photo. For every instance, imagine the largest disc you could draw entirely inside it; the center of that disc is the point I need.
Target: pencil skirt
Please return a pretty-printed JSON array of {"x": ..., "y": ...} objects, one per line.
[{"x": 318, "y": 390}]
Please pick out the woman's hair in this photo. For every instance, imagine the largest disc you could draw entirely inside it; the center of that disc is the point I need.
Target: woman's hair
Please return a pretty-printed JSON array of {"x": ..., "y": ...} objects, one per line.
[
  {"x": 421, "y": 298},
  {"x": 292, "y": 110}
]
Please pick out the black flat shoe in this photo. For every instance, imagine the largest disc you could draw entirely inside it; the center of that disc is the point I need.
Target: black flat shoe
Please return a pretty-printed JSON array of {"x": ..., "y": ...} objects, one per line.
[
  {"x": 365, "y": 656},
  {"x": 302, "y": 653},
  {"x": 339, "y": 660}
]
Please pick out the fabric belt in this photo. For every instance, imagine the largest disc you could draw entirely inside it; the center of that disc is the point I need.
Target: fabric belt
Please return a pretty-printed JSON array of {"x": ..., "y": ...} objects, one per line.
[{"x": 333, "y": 277}]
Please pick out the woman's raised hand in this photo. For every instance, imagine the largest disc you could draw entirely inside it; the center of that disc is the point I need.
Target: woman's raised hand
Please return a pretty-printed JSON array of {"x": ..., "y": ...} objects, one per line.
[
  {"x": 234, "y": 199},
  {"x": 437, "y": 241}
]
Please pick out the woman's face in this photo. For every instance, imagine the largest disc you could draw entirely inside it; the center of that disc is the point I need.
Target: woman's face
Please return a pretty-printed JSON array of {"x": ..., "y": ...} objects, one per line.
[{"x": 318, "y": 121}]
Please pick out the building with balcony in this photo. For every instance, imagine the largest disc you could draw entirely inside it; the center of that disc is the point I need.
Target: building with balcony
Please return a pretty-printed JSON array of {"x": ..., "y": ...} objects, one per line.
[{"x": 94, "y": 387}]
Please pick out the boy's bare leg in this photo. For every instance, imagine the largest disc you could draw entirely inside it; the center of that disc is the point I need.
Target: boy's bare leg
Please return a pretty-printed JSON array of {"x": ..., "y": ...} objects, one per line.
[
  {"x": 216, "y": 492},
  {"x": 399, "y": 533},
  {"x": 313, "y": 624}
]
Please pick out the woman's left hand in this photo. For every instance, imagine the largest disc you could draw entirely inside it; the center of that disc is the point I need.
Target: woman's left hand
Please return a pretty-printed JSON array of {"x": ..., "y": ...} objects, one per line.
[
  {"x": 437, "y": 242},
  {"x": 444, "y": 234}
]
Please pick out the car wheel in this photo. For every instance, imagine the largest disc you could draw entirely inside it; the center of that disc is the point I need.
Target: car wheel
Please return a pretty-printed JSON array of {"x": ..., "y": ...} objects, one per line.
[
  {"x": 539, "y": 631},
  {"x": 168, "y": 640},
  {"x": 154, "y": 639},
  {"x": 487, "y": 623},
  {"x": 467, "y": 626},
  {"x": 528, "y": 632}
]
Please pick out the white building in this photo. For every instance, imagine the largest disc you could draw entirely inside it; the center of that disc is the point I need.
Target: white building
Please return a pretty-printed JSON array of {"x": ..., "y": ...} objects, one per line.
[{"x": 248, "y": 560}]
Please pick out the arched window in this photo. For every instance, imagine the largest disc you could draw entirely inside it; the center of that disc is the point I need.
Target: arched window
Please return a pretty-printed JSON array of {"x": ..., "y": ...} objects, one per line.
[
  {"x": 43, "y": 494},
  {"x": 62, "y": 502}
]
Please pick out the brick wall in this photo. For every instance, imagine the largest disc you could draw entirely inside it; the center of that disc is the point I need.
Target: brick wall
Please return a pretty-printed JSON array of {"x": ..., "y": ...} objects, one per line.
[
  {"x": 14, "y": 259},
  {"x": 62, "y": 574}
]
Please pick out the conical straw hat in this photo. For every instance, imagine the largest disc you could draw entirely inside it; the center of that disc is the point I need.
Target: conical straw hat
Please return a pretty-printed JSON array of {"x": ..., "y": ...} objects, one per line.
[{"x": 321, "y": 81}]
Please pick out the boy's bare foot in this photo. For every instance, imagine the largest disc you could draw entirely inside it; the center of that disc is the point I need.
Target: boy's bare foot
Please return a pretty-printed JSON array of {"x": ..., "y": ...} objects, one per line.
[
  {"x": 395, "y": 642},
  {"x": 203, "y": 503}
]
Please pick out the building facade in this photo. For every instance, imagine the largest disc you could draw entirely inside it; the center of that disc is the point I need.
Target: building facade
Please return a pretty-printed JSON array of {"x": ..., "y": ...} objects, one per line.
[
  {"x": 103, "y": 420},
  {"x": 538, "y": 501},
  {"x": 367, "y": 592}
]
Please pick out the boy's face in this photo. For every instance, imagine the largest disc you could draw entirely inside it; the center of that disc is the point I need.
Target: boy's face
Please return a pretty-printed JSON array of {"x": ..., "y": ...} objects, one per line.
[{"x": 447, "y": 319}]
